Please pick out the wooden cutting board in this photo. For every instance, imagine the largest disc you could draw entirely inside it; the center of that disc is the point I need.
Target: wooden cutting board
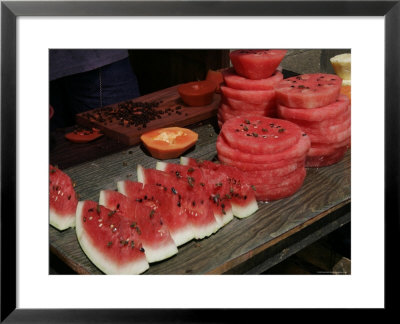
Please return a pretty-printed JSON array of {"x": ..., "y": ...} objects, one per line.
[{"x": 166, "y": 107}]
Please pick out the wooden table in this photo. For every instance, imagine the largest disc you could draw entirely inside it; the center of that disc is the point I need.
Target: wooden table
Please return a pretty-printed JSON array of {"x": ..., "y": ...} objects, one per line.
[{"x": 244, "y": 246}]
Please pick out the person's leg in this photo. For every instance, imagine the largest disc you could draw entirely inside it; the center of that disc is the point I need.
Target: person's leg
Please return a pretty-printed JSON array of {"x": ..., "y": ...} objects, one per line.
[
  {"x": 119, "y": 82},
  {"x": 107, "y": 85}
]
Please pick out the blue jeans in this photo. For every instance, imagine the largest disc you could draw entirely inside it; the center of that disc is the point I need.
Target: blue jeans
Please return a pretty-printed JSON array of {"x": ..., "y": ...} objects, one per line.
[{"x": 81, "y": 92}]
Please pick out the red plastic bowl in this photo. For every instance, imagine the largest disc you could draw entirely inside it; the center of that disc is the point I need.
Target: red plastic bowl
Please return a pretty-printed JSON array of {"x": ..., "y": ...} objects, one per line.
[{"x": 197, "y": 93}]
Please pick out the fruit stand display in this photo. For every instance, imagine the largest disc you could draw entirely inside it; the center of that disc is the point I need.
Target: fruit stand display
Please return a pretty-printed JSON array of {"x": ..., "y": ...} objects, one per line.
[{"x": 246, "y": 192}]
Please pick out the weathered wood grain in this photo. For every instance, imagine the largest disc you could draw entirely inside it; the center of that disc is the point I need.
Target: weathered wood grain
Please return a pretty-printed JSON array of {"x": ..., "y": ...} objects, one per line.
[
  {"x": 324, "y": 190},
  {"x": 170, "y": 98}
]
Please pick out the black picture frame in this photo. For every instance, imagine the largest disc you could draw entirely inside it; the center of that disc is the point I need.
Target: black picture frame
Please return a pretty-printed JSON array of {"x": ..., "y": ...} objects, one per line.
[{"x": 10, "y": 10}]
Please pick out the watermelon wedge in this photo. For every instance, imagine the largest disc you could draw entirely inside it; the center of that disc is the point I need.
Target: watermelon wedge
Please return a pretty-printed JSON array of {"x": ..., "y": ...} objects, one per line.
[
  {"x": 153, "y": 233},
  {"x": 228, "y": 182},
  {"x": 194, "y": 202},
  {"x": 164, "y": 201},
  {"x": 221, "y": 206},
  {"x": 109, "y": 240},
  {"x": 62, "y": 200}
]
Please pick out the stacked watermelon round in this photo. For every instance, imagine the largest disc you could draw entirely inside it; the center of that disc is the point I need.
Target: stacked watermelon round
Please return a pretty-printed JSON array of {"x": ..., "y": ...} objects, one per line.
[
  {"x": 270, "y": 153},
  {"x": 248, "y": 87},
  {"x": 314, "y": 102}
]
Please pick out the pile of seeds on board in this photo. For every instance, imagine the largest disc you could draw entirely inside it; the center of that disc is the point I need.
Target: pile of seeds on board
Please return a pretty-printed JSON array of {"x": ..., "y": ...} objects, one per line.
[{"x": 137, "y": 114}]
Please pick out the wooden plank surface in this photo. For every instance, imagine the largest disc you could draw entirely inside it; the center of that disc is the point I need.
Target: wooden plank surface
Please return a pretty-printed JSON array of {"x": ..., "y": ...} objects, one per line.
[
  {"x": 169, "y": 110},
  {"x": 324, "y": 191}
]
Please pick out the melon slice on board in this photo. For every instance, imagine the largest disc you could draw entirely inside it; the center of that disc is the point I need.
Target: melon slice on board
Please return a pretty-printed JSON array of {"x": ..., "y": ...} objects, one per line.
[
  {"x": 62, "y": 199},
  {"x": 109, "y": 240},
  {"x": 153, "y": 233}
]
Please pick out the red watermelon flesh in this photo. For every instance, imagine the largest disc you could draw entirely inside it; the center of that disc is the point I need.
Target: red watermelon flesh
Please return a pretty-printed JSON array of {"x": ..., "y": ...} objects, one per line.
[
  {"x": 329, "y": 130},
  {"x": 62, "y": 199},
  {"x": 326, "y": 160},
  {"x": 246, "y": 166},
  {"x": 154, "y": 234},
  {"x": 273, "y": 176},
  {"x": 223, "y": 115},
  {"x": 331, "y": 138},
  {"x": 269, "y": 111},
  {"x": 260, "y": 135},
  {"x": 251, "y": 96},
  {"x": 243, "y": 105},
  {"x": 163, "y": 201},
  {"x": 235, "y": 81},
  {"x": 271, "y": 193},
  {"x": 308, "y": 90},
  {"x": 193, "y": 201},
  {"x": 228, "y": 182},
  {"x": 292, "y": 153},
  {"x": 221, "y": 206},
  {"x": 227, "y": 111},
  {"x": 332, "y": 110},
  {"x": 318, "y": 149},
  {"x": 342, "y": 117},
  {"x": 256, "y": 63},
  {"x": 109, "y": 242},
  {"x": 292, "y": 178}
]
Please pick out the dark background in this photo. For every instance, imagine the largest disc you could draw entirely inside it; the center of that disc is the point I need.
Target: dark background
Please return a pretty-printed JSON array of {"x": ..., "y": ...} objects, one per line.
[{"x": 160, "y": 69}]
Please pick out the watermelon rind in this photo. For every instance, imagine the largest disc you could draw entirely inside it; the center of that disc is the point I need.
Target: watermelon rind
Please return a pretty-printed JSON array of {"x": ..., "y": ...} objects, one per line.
[
  {"x": 98, "y": 259},
  {"x": 140, "y": 173},
  {"x": 161, "y": 165},
  {"x": 61, "y": 222},
  {"x": 184, "y": 160},
  {"x": 245, "y": 210},
  {"x": 152, "y": 254}
]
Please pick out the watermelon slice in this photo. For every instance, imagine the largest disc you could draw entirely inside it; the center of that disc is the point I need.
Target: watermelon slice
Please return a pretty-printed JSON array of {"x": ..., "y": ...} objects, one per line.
[
  {"x": 260, "y": 135},
  {"x": 283, "y": 190},
  {"x": 278, "y": 167},
  {"x": 319, "y": 149},
  {"x": 324, "y": 122},
  {"x": 291, "y": 154},
  {"x": 251, "y": 96},
  {"x": 62, "y": 199},
  {"x": 228, "y": 182},
  {"x": 326, "y": 160},
  {"x": 331, "y": 138},
  {"x": 243, "y": 105},
  {"x": 332, "y": 110},
  {"x": 164, "y": 201},
  {"x": 329, "y": 131},
  {"x": 234, "y": 80},
  {"x": 256, "y": 63},
  {"x": 269, "y": 111},
  {"x": 153, "y": 233},
  {"x": 308, "y": 90},
  {"x": 221, "y": 206},
  {"x": 109, "y": 240},
  {"x": 193, "y": 201}
]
